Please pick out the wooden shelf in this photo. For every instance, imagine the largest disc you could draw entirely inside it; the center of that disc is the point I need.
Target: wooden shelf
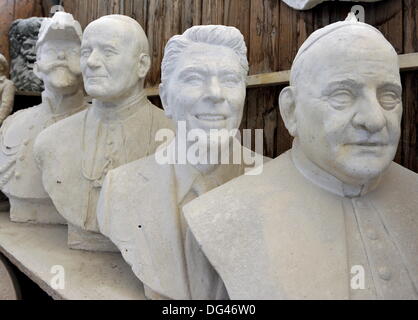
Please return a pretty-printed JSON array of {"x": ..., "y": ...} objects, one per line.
[
  {"x": 35, "y": 249},
  {"x": 28, "y": 93},
  {"x": 407, "y": 62}
]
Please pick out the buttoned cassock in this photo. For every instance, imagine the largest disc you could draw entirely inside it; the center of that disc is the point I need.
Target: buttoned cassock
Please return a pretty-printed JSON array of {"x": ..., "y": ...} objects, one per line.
[
  {"x": 20, "y": 177},
  {"x": 140, "y": 211},
  {"x": 296, "y": 232},
  {"x": 76, "y": 154}
]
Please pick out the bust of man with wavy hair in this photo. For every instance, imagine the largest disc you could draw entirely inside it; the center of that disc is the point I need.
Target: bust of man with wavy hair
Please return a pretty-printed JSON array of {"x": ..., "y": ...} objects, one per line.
[{"x": 140, "y": 208}]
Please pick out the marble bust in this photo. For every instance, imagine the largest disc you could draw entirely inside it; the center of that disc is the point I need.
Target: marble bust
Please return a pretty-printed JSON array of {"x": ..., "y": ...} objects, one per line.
[
  {"x": 118, "y": 128},
  {"x": 203, "y": 88},
  {"x": 23, "y": 35},
  {"x": 7, "y": 90},
  {"x": 309, "y": 4},
  {"x": 57, "y": 64},
  {"x": 333, "y": 217}
]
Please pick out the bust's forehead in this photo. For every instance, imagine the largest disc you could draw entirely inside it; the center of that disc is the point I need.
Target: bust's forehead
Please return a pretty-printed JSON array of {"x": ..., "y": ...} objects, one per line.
[
  {"x": 106, "y": 26},
  {"x": 200, "y": 53},
  {"x": 109, "y": 28},
  {"x": 352, "y": 47}
]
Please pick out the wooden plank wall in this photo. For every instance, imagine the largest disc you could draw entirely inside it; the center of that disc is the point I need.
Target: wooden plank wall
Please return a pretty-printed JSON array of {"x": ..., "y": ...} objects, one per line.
[{"x": 273, "y": 33}]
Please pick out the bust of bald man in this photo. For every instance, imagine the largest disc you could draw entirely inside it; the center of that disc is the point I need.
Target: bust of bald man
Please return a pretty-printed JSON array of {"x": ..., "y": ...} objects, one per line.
[
  {"x": 119, "y": 127},
  {"x": 333, "y": 217}
]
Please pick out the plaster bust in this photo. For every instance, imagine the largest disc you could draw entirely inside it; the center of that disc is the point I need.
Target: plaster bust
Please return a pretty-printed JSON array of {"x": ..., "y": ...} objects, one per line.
[
  {"x": 118, "y": 128},
  {"x": 23, "y": 35},
  {"x": 140, "y": 207},
  {"x": 334, "y": 217},
  {"x": 57, "y": 64},
  {"x": 7, "y": 90},
  {"x": 309, "y": 4}
]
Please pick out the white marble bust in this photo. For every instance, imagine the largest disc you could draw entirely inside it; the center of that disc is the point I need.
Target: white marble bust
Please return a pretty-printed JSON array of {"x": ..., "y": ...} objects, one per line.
[
  {"x": 334, "y": 217},
  {"x": 203, "y": 88},
  {"x": 118, "y": 128},
  {"x": 7, "y": 90},
  {"x": 58, "y": 65},
  {"x": 309, "y": 4}
]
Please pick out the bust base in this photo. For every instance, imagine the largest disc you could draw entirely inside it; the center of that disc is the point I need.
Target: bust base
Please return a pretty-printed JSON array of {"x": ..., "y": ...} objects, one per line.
[
  {"x": 34, "y": 211},
  {"x": 35, "y": 248},
  {"x": 80, "y": 239}
]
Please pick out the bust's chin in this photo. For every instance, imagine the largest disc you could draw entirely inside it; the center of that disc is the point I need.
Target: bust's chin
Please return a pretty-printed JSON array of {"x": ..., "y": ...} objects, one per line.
[
  {"x": 361, "y": 173},
  {"x": 97, "y": 92}
]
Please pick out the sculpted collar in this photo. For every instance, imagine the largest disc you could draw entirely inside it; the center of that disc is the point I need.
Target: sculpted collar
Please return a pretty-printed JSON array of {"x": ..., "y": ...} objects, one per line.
[
  {"x": 325, "y": 180},
  {"x": 119, "y": 113},
  {"x": 186, "y": 174}
]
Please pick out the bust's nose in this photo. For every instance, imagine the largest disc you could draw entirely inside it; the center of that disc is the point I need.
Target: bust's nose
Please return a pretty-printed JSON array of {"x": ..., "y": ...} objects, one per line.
[
  {"x": 61, "y": 55},
  {"x": 215, "y": 90},
  {"x": 93, "y": 60},
  {"x": 370, "y": 115}
]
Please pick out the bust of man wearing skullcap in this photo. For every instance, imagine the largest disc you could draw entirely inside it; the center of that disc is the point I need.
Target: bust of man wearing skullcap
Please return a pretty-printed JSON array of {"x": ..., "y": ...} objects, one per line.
[
  {"x": 333, "y": 217},
  {"x": 118, "y": 128}
]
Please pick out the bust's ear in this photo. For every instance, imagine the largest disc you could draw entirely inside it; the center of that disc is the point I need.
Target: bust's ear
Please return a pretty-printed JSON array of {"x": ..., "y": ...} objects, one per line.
[
  {"x": 144, "y": 65},
  {"x": 287, "y": 109},
  {"x": 163, "y": 96}
]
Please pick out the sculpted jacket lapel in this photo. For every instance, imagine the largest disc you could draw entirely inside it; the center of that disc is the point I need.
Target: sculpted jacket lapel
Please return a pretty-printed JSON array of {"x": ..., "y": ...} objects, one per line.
[{"x": 160, "y": 233}]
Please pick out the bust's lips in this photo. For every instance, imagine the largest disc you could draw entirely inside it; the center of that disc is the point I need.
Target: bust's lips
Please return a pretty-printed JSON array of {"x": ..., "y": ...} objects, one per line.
[
  {"x": 368, "y": 144},
  {"x": 95, "y": 76}
]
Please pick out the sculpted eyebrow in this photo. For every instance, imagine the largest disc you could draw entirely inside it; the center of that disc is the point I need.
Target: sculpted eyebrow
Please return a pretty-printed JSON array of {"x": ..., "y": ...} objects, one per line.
[
  {"x": 188, "y": 70},
  {"x": 346, "y": 83},
  {"x": 229, "y": 71},
  {"x": 109, "y": 46},
  {"x": 392, "y": 86}
]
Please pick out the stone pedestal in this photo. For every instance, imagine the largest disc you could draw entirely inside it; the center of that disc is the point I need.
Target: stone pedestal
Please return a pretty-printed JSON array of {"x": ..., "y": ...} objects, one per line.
[
  {"x": 9, "y": 288},
  {"x": 41, "y": 252}
]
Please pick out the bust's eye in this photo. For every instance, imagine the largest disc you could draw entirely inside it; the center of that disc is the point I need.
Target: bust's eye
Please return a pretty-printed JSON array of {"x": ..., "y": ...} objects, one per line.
[
  {"x": 341, "y": 99},
  {"x": 109, "y": 52},
  {"x": 389, "y": 99},
  {"x": 73, "y": 51},
  {"x": 85, "y": 53},
  {"x": 230, "y": 80},
  {"x": 50, "y": 52},
  {"x": 193, "y": 79}
]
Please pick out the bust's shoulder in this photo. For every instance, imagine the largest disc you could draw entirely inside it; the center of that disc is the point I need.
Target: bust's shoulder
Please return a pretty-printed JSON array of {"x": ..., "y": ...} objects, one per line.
[
  {"x": 65, "y": 127},
  {"x": 248, "y": 189},
  {"x": 404, "y": 180},
  {"x": 160, "y": 118},
  {"x": 60, "y": 135},
  {"x": 23, "y": 117},
  {"x": 138, "y": 172}
]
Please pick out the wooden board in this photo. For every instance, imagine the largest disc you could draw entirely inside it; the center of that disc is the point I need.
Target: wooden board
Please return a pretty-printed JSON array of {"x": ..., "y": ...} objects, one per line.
[
  {"x": 36, "y": 249},
  {"x": 407, "y": 62}
]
